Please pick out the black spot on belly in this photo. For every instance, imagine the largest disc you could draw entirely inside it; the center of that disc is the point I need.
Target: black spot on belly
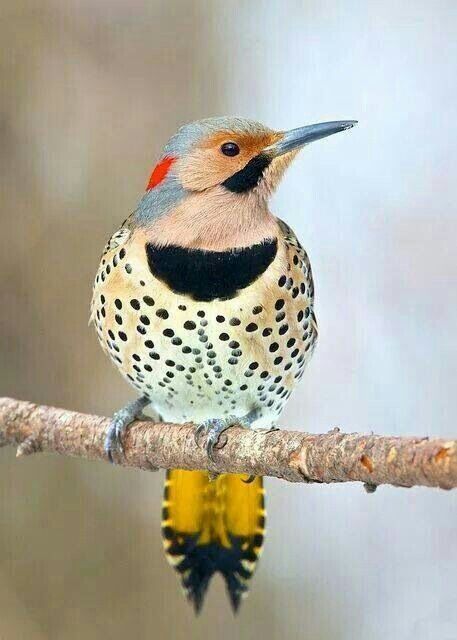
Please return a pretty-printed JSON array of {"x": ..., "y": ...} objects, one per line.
[{"x": 208, "y": 275}]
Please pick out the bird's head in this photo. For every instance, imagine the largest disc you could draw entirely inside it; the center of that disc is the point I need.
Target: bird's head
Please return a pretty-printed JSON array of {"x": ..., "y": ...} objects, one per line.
[
  {"x": 238, "y": 154},
  {"x": 226, "y": 162}
]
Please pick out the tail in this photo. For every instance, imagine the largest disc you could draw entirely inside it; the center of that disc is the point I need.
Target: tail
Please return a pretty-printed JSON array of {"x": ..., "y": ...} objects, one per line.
[{"x": 213, "y": 526}]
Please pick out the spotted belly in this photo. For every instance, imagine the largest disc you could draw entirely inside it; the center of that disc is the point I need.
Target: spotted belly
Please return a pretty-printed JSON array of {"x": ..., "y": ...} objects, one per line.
[{"x": 200, "y": 359}]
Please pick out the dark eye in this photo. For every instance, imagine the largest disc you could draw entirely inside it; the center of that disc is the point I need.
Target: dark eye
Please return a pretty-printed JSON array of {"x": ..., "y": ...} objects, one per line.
[{"x": 230, "y": 149}]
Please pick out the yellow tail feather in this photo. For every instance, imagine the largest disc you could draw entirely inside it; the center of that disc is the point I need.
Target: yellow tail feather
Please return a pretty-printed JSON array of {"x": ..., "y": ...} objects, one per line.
[{"x": 213, "y": 526}]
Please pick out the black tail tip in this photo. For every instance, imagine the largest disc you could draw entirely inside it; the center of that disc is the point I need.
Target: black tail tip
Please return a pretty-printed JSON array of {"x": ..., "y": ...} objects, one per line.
[
  {"x": 195, "y": 592},
  {"x": 200, "y": 562},
  {"x": 195, "y": 585},
  {"x": 235, "y": 601},
  {"x": 237, "y": 589},
  {"x": 196, "y": 598}
]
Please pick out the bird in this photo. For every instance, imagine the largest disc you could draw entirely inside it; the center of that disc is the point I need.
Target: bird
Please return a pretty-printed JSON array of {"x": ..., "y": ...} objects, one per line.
[{"x": 204, "y": 301}]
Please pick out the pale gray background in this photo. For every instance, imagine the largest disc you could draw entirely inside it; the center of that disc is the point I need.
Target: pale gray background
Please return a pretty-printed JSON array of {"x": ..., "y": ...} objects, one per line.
[{"x": 91, "y": 89}]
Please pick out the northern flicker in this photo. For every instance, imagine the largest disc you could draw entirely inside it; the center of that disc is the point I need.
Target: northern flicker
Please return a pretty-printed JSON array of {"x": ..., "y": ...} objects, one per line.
[{"x": 204, "y": 301}]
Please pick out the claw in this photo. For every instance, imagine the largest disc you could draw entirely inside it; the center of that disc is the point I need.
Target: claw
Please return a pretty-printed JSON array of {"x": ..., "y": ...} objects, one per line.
[
  {"x": 218, "y": 426},
  {"x": 214, "y": 427},
  {"x": 119, "y": 444},
  {"x": 113, "y": 440},
  {"x": 198, "y": 431},
  {"x": 209, "y": 450},
  {"x": 121, "y": 420}
]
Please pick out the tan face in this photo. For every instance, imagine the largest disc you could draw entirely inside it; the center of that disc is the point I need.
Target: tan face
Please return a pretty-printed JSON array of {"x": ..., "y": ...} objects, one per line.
[{"x": 209, "y": 165}]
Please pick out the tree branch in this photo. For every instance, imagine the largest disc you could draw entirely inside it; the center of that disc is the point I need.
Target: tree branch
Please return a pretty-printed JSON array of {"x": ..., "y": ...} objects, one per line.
[{"x": 290, "y": 455}]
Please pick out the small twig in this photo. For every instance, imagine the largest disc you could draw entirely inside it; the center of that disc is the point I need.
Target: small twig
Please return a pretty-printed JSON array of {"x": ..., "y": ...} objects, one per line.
[{"x": 291, "y": 455}]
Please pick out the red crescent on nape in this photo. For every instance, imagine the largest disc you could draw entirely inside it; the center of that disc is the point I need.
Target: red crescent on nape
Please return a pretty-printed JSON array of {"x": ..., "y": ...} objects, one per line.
[{"x": 159, "y": 173}]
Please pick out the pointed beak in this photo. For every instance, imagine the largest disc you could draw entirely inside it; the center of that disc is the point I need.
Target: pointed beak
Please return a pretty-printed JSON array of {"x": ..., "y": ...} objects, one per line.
[{"x": 297, "y": 138}]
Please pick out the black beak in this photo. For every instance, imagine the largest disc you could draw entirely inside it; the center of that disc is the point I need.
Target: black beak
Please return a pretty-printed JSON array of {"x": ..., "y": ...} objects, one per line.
[{"x": 297, "y": 138}]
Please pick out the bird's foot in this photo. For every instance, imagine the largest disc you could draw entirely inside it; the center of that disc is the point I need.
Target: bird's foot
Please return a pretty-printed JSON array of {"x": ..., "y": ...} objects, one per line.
[
  {"x": 119, "y": 423},
  {"x": 214, "y": 427}
]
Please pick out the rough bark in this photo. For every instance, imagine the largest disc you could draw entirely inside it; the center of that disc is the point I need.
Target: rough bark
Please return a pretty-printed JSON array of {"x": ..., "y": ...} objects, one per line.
[{"x": 290, "y": 455}]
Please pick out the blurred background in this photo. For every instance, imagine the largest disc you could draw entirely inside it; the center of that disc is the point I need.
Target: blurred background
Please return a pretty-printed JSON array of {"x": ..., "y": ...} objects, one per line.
[{"x": 91, "y": 90}]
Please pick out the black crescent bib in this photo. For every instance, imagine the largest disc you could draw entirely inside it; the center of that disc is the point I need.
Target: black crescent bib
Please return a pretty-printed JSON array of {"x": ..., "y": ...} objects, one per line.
[{"x": 210, "y": 275}]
